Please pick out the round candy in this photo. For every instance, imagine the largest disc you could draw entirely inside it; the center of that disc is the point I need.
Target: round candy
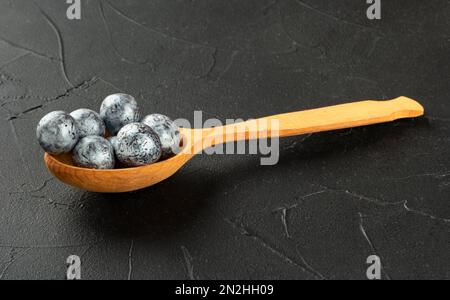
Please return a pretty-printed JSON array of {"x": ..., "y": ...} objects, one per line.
[
  {"x": 88, "y": 122},
  {"x": 168, "y": 132},
  {"x": 138, "y": 145},
  {"x": 57, "y": 133},
  {"x": 94, "y": 152},
  {"x": 119, "y": 110}
]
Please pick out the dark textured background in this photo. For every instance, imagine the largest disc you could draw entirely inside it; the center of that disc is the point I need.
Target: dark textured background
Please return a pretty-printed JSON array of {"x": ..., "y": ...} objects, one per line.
[{"x": 334, "y": 198}]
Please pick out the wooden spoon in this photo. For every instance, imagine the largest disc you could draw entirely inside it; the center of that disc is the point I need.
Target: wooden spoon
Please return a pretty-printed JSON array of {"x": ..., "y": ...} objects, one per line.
[{"x": 195, "y": 140}]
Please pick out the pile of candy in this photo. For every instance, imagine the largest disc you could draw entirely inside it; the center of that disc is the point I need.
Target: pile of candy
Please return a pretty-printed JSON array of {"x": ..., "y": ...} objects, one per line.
[{"x": 132, "y": 141}]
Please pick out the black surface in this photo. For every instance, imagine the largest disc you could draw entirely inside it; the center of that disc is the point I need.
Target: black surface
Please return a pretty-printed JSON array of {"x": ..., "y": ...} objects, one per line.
[{"x": 345, "y": 195}]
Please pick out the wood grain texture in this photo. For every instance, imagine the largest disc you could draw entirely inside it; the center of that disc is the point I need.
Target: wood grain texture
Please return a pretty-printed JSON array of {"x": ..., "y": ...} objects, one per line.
[{"x": 195, "y": 140}]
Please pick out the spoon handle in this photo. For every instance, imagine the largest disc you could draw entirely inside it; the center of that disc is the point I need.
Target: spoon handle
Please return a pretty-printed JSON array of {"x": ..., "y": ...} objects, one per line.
[{"x": 323, "y": 119}]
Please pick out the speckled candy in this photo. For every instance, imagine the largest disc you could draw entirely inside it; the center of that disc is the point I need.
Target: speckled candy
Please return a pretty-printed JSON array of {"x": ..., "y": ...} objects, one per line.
[
  {"x": 57, "y": 133},
  {"x": 119, "y": 110},
  {"x": 168, "y": 133},
  {"x": 88, "y": 122},
  {"x": 138, "y": 145},
  {"x": 94, "y": 152}
]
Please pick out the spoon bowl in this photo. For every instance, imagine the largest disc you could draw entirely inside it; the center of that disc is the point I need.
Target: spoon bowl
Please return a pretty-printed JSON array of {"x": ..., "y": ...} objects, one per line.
[
  {"x": 196, "y": 140},
  {"x": 116, "y": 180}
]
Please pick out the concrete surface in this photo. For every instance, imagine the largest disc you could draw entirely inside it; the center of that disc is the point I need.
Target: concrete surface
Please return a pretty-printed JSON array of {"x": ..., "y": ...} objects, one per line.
[{"x": 333, "y": 200}]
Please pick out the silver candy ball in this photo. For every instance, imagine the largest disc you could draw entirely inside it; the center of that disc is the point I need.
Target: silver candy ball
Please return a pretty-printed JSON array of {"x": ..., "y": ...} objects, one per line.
[
  {"x": 88, "y": 122},
  {"x": 168, "y": 132},
  {"x": 119, "y": 110},
  {"x": 138, "y": 145},
  {"x": 94, "y": 152},
  {"x": 57, "y": 133}
]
